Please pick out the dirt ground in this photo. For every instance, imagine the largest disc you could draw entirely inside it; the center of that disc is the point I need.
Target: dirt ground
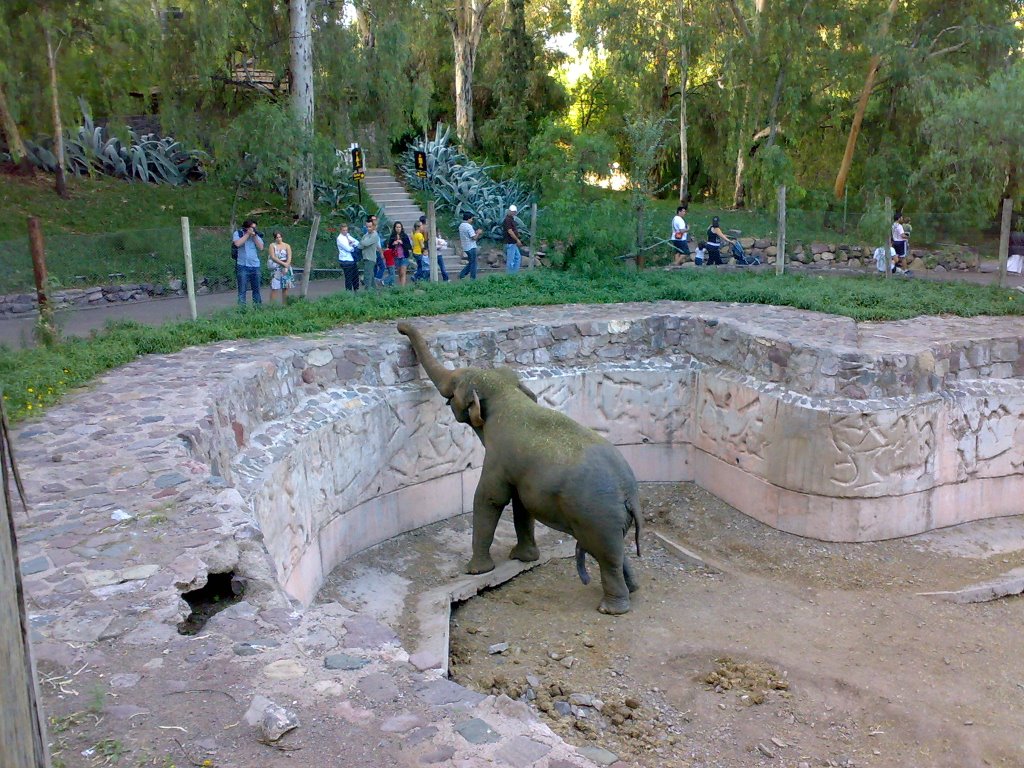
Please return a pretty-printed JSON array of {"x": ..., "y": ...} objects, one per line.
[{"x": 795, "y": 653}]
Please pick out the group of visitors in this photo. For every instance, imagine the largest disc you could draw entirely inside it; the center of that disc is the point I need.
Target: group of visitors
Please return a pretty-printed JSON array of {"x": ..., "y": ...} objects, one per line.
[
  {"x": 373, "y": 260},
  {"x": 709, "y": 250}
]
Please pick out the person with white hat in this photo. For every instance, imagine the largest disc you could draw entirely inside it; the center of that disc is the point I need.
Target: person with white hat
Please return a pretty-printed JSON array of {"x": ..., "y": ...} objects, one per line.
[{"x": 512, "y": 241}]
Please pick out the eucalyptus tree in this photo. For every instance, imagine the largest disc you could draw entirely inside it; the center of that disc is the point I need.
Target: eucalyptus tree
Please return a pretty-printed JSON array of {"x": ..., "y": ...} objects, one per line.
[{"x": 301, "y": 90}]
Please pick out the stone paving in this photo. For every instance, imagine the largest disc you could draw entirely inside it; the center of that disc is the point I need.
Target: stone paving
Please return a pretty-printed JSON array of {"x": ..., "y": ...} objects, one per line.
[{"x": 144, "y": 483}]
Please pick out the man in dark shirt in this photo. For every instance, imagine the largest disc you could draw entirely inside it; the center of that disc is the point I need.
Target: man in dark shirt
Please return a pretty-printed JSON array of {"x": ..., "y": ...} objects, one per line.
[{"x": 512, "y": 241}]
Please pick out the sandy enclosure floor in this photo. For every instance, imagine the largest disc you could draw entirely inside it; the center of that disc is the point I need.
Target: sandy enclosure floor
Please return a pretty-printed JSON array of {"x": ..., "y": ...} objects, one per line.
[{"x": 792, "y": 652}]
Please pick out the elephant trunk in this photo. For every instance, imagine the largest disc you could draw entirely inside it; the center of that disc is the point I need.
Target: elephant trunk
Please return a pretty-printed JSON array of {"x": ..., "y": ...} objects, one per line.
[{"x": 441, "y": 376}]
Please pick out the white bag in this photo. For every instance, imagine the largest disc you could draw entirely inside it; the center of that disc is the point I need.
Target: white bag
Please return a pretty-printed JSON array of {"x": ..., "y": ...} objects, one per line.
[{"x": 1015, "y": 264}]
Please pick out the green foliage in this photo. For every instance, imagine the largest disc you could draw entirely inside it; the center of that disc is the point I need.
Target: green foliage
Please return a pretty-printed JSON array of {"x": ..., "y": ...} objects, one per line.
[
  {"x": 34, "y": 379},
  {"x": 462, "y": 185},
  {"x": 559, "y": 157},
  {"x": 90, "y": 149}
]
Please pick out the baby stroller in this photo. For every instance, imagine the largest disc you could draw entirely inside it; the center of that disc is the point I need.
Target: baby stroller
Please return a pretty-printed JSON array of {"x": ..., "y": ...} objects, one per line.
[{"x": 741, "y": 257}]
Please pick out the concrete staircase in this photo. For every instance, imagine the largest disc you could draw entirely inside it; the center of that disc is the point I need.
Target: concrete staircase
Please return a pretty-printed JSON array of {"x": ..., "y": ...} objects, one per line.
[{"x": 392, "y": 197}]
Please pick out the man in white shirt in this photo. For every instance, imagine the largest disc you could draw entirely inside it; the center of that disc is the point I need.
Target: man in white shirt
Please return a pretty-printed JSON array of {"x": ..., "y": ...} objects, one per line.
[
  {"x": 680, "y": 234},
  {"x": 347, "y": 248},
  {"x": 467, "y": 239},
  {"x": 900, "y": 241}
]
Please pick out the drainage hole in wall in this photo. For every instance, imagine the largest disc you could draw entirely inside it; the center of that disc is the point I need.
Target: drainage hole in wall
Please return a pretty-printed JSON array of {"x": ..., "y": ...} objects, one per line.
[{"x": 221, "y": 590}]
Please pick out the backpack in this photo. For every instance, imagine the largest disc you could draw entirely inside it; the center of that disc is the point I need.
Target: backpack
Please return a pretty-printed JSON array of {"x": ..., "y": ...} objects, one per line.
[{"x": 234, "y": 248}]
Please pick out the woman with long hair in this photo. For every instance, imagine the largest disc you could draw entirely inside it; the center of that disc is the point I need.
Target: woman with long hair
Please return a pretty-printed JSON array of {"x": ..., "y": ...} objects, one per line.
[{"x": 400, "y": 243}]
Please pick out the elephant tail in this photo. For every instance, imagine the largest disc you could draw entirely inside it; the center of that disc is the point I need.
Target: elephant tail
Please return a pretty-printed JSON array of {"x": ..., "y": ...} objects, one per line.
[
  {"x": 581, "y": 564},
  {"x": 633, "y": 507}
]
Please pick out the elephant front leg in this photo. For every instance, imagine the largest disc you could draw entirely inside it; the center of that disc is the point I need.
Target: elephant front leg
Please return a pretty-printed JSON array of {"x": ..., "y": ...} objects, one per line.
[
  {"x": 488, "y": 502},
  {"x": 525, "y": 549}
]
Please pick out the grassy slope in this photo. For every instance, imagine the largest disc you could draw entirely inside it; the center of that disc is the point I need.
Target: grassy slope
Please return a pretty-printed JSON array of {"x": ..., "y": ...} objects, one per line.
[{"x": 33, "y": 379}]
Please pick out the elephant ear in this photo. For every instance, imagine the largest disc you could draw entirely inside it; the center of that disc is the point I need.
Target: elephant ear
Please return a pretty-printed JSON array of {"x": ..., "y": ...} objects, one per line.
[
  {"x": 476, "y": 413},
  {"x": 527, "y": 391}
]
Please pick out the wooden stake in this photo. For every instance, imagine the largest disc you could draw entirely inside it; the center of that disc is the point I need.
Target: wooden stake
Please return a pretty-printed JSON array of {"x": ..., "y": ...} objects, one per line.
[
  {"x": 432, "y": 239},
  {"x": 190, "y": 280},
  {"x": 780, "y": 257},
  {"x": 888, "y": 238},
  {"x": 533, "y": 233},
  {"x": 310, "y": 245},
  {"x": 1004, "y": 239},
  {"x": 47, "y": 327}
]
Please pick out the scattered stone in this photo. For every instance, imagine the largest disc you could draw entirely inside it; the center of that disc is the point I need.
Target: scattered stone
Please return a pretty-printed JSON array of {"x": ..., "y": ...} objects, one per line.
[
  {"x": 764, "y": 750},
  {"x": 568, "y": 662},
  {"x": 257, "y": 706},
  {"x": 35, "y": 565},
  {"x": 440, "y": 755},
  {"x": 563, "y": 708},
  {"x": 497, "y": 648},
  {"x": 170, "y": 480},
  {"x": 277, "y": 721},
  {"x": 402, "y": 723},
  {"x": 476, "y": 731},
  {"x": 124, "y": 680}
]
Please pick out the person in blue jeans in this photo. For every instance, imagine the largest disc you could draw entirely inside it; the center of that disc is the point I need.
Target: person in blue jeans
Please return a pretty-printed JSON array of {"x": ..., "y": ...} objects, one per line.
[
  {"x": 512, "y": 241},
  {"x": 467, "y": 239},
  {"x": 440, "y": 245},
  {"x": 249, "y": 243}
]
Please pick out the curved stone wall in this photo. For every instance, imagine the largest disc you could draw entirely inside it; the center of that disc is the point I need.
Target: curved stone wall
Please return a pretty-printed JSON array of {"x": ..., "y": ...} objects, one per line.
[{"x": 812, "y": 424}]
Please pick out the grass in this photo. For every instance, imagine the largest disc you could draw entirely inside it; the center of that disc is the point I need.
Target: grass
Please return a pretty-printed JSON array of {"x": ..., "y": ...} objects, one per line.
[
  {"x": 111, "y": 232},
  {"x": 34, "y": 379}
]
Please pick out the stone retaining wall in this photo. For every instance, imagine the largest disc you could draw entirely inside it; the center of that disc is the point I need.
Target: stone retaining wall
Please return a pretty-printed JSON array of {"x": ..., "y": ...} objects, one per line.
[{"x": 886, "y": 430}]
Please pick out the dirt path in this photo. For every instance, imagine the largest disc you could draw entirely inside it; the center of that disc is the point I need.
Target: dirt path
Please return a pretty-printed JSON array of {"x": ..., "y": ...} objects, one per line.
[{"x": 798, "y": 653}]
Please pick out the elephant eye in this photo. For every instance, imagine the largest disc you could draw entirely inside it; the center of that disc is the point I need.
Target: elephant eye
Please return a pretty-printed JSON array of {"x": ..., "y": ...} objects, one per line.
[{"x": 448, "y": 401}]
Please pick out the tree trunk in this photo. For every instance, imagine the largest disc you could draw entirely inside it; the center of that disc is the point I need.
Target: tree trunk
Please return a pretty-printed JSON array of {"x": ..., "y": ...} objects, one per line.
[
  {"x": 862, "y": 105},
  {"x": 61, "y": 184},
  {"x": 10, "y": 130},
  {"x": 466, "y": 22},
  {"x": 684, "y": 72},
  {"x": 363, "y": 23},
  {"x": 302, "y": 100}
]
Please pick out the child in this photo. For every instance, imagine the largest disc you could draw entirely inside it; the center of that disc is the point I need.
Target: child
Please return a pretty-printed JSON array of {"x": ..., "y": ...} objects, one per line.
[
  {"x": 701, "y": 255},
  {"x": 389, "y": 267}
]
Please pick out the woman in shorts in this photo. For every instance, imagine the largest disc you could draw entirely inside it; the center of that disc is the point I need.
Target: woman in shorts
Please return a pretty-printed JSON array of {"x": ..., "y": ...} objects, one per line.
[{"x": 280, "y": 263}]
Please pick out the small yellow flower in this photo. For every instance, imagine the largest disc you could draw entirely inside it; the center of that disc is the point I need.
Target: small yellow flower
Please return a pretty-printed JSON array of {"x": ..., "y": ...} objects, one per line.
[
  {"x": 31, "y": 390},
  {"x": 30, "y": 406}
]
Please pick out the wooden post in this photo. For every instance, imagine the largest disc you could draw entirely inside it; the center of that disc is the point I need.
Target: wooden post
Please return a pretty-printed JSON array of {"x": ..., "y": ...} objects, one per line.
[
  {"x": 432, "y": 237},
  {"x": 190, "y": 280},
  {"x": 310, "y": 245},
  {"x": 1004, "y": 238},
  {"x": 533, "y": 234},
  {"x": 780, "y": 257},
  {"x": 22, "y": 734},
  {"x": 47, "y": 327},
  {"x": 887, "y": 243}
]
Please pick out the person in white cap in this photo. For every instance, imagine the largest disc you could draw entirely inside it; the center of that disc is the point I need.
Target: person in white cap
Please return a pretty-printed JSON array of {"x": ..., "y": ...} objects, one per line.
[{"x": 512, "y": 241}]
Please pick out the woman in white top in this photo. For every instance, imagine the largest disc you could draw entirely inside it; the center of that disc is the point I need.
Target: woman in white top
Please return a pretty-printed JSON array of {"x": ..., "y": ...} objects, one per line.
[
  {"x": 899, "y": 240},
  {"x": 280, "y": 263}
]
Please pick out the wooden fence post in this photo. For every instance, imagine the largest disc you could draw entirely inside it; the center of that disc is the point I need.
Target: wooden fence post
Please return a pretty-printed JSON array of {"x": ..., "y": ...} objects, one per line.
[
  {"x": 888, "y": 237},
  {"x": 47, "y": 327},
  {"x": 22, "y": 731},
  {"x": 190, "y": 280},
  {"x": 780, "y": 257},
  {"x": 310, "y": 245},
  {"x": 432, "y": 238},
  {"x": 533, "y": 234},
  {"x": 1004, "y": 238}
]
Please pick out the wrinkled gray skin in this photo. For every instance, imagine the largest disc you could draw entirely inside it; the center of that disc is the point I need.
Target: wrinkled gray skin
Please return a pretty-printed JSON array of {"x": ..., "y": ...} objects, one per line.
[{"x": 551, "y": 468}]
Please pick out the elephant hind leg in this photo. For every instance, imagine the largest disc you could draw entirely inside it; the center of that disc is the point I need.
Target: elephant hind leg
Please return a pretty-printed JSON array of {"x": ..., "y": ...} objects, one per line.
[
  {"x": 526, "y": 549},
  {"x": 488, "y": 502},
  {"x": 616, "y": 593}
]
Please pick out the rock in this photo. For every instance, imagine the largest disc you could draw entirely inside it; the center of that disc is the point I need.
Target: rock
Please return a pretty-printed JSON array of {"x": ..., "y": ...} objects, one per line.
[
  {"x": 497, "y": 648},
  {"x": 440, "y": 755},
  {"x": 308, "y": 375},
  {"x": 581, "y": 699},
  {"x": 286, "y": 669},
  {"x": 563, "y": 708},
  {"x": 256, "y": 708},
  {"x": 568, "y": 661},
  {"x": 319, "y": 357},
  {"x": 174, "y": 285},
  {"x": 632, "y": 703},
  {"x": 771, "y": 250},
  {"x": 277, "y": 721},
  {"x": 477, "y": 731},
  {"x": 402, "y": 723},
  {"x": 938, "y": 268},
  {"x": 522, "y": 751},
  {"x": 343, "y": 661},
  {"x": 598, "y": 755}
]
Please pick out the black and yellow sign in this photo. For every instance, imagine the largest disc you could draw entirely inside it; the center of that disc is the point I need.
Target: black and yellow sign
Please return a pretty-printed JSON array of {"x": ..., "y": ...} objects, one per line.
[
  {"x": 357, "y": 164},
  {"x": 421, "y": 163}
]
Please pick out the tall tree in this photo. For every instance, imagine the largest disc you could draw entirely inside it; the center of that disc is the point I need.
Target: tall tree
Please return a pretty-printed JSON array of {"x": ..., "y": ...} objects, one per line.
[
  {"x": 60, "y": 183},
  {"x": 466, "y": 22},
  {"x": 302, "y": 99}
]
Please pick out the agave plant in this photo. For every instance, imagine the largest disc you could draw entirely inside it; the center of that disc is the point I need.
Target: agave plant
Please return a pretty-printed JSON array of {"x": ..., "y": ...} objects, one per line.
[
  {"x": 89, "y": 150},
  {"x": 463, "y": 185}
]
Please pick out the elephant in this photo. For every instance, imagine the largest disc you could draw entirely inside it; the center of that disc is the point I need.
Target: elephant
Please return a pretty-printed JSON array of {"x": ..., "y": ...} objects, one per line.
[{"x": 551, "y": 468}]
